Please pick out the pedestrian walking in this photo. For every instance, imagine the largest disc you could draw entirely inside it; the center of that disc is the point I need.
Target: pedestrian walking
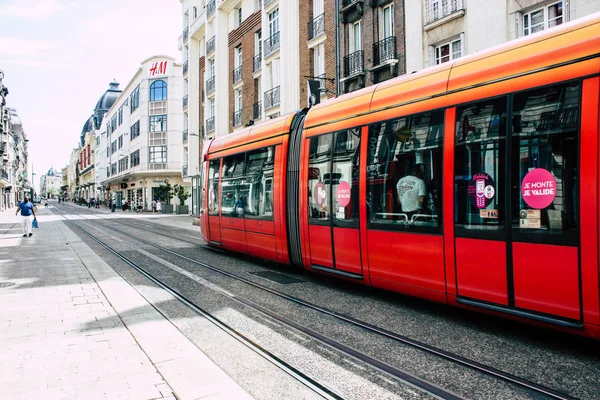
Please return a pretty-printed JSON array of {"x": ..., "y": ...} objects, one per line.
[
  {"x": 27, "y": 215},
  {"x": 124, "y": 204},
  {"x": 140, "y": 206},
  {"x": 153, "y": 206},
  {"x": 158, "y": 206}
]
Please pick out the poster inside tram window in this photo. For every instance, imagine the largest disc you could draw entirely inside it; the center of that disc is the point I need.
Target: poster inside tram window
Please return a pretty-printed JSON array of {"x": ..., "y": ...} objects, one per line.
[{"x": 481, "y": 190}]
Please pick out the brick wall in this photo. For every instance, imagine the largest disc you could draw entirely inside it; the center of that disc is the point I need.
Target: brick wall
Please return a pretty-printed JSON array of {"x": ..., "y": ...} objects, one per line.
[{"x": 244, "y": 35}]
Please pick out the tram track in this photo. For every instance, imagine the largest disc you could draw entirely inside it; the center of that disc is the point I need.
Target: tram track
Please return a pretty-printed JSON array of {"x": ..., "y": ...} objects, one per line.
[{"x": 487, "y": 370}]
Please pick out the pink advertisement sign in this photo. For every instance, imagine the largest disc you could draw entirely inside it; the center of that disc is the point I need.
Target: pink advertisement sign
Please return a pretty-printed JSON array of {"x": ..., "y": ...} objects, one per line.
[
  {"x": 343, "y": 194},
  {"x": 320, "y": 193},
  {"x": 538, "y": 188}
]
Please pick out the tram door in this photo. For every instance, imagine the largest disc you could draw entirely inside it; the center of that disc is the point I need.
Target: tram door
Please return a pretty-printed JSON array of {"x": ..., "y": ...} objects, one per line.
[
  {"x": 333, "y": 174},
  {"x": 213, "y": 204},
  {"x": 516, "y": 205}
]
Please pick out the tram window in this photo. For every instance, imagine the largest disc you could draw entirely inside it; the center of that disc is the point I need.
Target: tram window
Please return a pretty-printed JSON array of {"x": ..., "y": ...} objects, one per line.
[
  {"x": 480, "y": 154},
  {"x": 213, "y": 187},
  {"x": 319, "y": 179},
  {"x": 259, "y": 180},
  {"x": 345, "y": 176},
  {"x": 404, "y": 173},
  {"x": 545, "y": 158},
  {"x": 234, "y": 193}
]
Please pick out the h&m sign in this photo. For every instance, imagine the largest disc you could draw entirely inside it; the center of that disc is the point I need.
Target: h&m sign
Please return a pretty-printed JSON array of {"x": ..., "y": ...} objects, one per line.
[{"x": 157, "y": 68}]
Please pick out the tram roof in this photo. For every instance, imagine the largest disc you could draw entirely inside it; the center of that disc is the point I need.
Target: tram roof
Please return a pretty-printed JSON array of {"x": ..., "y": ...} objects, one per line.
[
  {"x": 254, "y": 133},
  {"x": 576, "y": 40}
]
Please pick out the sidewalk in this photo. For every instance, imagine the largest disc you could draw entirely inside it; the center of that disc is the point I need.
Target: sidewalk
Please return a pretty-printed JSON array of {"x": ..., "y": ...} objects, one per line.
[{"x": 66, "y": 333}]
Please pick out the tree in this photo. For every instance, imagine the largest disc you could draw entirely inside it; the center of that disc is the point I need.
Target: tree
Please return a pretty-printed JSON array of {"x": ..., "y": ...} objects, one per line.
[
  {"x": 181, "y": 192},
  {"x": 165, "y": 192}
]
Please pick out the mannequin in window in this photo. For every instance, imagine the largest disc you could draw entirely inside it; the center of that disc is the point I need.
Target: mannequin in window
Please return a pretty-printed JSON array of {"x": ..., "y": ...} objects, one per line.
[{"x": 411, "y": 191}]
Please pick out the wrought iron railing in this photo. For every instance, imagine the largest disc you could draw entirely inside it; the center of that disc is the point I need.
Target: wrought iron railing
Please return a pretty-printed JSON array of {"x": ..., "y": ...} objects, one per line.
[
  {"x": 185, "y": 67},
  {"x": 237, "y": 74},
  {"x": 272, "y": 98},
  {"x": 354, "y": 63},
  {"x": 210, "y": 8},
  {"x": 210, "y": 45},
  {"x": 384, "y": 50},
  {"x": 272, "y": 44},
  {"x": 185, "y": 101},
  {"x": 257, "y": 110},
  {"x": 237, "y": 118},
  {"x": 437, "y": 9},
  {"x": 210, "y": 124},
  {"x": 185, "y": 135},
  {"x": 346, "y": 3},
  {"x": 257, "y": 61},
  {"x": 210, "y": 85},
  {"x": 316, "y": 27},
  {"x": 4, "y": 174},
  {"x": 186, "y": 32}
]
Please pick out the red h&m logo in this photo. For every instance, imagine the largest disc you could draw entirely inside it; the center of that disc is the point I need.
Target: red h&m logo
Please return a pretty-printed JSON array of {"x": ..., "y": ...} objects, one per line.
[{"x": 158, "y": 68}]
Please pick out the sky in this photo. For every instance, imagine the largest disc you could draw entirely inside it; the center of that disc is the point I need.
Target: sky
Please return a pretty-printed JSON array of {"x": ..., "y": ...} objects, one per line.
[{"x": 58, "y": 57}]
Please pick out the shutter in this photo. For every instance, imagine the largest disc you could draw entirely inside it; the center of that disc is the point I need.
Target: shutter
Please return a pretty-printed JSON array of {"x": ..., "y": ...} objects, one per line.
[{"x": 431, "y": 56}]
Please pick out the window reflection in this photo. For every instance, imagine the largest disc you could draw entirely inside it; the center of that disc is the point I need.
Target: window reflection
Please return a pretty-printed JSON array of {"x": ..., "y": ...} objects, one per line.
[
  {"x": 404, "y": 172},
  {"x": 213, "y": 187},
  {"x": 234, "y": 193},
  {"x": 259, "y": 179},
  {"x": 545, "y": 159},
  {"x": 320, "y": 178},
  {"x": 344, "y": 182}
]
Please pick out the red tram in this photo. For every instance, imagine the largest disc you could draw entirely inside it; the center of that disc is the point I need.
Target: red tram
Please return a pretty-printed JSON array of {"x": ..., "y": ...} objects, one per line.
[{"x": 499, "y": 151}]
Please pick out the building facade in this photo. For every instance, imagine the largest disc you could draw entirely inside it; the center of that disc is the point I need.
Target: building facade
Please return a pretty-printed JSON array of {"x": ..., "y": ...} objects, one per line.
[
  {"x": 143, "y": 134},
  {"x": 439, "y": 31},
  {"x": 50, "y": 184},
  {"x": 14, "y": 182}
]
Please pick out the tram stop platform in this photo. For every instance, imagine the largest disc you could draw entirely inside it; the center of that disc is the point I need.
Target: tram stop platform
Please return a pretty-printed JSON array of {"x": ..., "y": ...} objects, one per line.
[{"x": 72, "y": 328}]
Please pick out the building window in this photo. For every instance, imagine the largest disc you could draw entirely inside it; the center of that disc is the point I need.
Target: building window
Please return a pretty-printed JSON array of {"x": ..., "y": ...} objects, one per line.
[
  {"x": 120, "y": 141},
  {"x": 448, "y": 51},
  {"x": 113, "y": 147},
  {"x": 436, "y": 9},
  {"x": 237, "y": 15},
  {"x": 274, "y": 22},
  {"x": 387, "y": 16},
  {"x": 134, "y": 131},
  {"x": 135, "y": 99},
  {"x": 107, "y": 172},
  {"x": 123, "y": 164},
  {"x": 135, "y": 158},
  {"x": 158, "y": 154},
  {"x": 158, "y": 91},
  {"x": 237, "y": 56},
  {"x": 113, "y": 168},
  {"x": 120, "y": 116},
  {"x": 543, "y": 18},
  {"x": 108, "y": 128},
  {"x": 158, "y": 123},
  {"x": 107, "y": 151},
  {"x": 195, "y": 12},
  {"x": 113, "y": 122},
  {"x": 355, "y": 42}
]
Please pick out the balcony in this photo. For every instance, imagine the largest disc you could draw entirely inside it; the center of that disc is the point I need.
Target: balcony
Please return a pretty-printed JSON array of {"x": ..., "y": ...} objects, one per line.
[
  {"x": 210, "y": 124},
  {"x": 210, "y": 8},
  {"x": 210, "y": 85},
  {"x": 267, "y": 2},
  {"x": 185, "y": 68},
  {"x": 185, "y": 101},
  {"x": 185, "y": 135},
  {"x": 237, "y": 118},
  {"x": 257, "y": 110},
  {"x": 184, "y": 170},
  {"x": 352, "y": 10},
  {"x": 438, "y": 10},
  {"x": 384, "y": 50},
  {"x": 316, "y": 27},
  {"x": 272, "y": 44},
  {"x": 257, "y": 63},
  {"x": 354, "y": 63},
  {"x": 4, "y": 175},
  {"x": 186, "y": 34},
  {"x": 272, "y": 98},
  {"x": 210, "y": 45},
  {"x": 237, "y": 74}
]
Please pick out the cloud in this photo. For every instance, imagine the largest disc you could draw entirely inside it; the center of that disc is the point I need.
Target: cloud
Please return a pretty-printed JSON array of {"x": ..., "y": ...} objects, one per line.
[
  {"x": 35, "y": 63},
  {"x": 33, "y": 10},
  {"x": 19, "y": 47}
]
